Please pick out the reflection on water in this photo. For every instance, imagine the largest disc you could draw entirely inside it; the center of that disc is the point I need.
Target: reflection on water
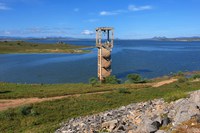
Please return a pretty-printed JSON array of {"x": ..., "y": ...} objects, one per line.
[{"x": 148, "y": 58}]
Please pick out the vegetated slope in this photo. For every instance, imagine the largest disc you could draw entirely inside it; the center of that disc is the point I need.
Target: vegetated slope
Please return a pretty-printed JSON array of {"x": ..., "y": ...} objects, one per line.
[
  {"x": 26, "y": 47},
  {"x": 12, "y": 103},
  {"x": 47, "y": 116}
]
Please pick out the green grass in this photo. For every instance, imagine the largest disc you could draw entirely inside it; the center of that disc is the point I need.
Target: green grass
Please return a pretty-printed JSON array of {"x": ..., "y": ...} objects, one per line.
[
  {"x": 13, "y": 91},
  {"x": 46, "y": 116},
  {"x": 26, "y": 47}
]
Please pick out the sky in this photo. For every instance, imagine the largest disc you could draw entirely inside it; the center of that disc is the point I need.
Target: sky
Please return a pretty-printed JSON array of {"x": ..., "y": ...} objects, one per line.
[{"x": 131, "y": 19}]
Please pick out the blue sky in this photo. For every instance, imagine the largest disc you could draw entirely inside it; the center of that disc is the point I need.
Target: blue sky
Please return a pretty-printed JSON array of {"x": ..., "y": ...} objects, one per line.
[{"x": 132, "y": 19}]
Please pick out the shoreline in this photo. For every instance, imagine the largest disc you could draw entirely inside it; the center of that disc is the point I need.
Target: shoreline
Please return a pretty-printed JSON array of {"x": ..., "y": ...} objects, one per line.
[{"x": 21, "y": 47}]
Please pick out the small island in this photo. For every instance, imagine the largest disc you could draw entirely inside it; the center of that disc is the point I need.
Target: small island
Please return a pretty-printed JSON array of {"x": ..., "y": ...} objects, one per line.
[{"x": 7, "y": 47}]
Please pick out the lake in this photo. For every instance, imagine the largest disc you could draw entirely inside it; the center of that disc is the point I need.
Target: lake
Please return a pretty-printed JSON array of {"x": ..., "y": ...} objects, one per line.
[{"x": 148, "y": 58}]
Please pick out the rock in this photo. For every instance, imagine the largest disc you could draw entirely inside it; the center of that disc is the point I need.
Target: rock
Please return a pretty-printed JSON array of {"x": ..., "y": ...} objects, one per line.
[
  {"x": 159, "y": 119},
  {"x": 195, "y": 97},
  {"x": 160, "y": 131},
  {"x": 110, "y": 125},
  {"x": 149, "y": 126},
  {"x": 197, "y": 117},
  {"x": 144, "y": 117},
  {"x": 121, "y": 128},
  {"x": 156, "y": 125},
  {"x": 165, "y": 121},
  {"x": 185, "y": 112}
]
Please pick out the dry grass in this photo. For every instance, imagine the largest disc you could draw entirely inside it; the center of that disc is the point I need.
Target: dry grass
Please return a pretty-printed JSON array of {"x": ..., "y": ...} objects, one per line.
[{"x": 190, "y": 126}]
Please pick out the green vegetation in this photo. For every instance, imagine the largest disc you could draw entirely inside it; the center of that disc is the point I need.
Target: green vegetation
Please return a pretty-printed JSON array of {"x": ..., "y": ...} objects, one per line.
[
  {"x": 124, "y": 90},
  {"x": 93, "y": 81},
  {"x": 13, "y": 91},
  {"x": 182, "y": 79},
  {"x": 179, "y": 74},
  {"x": 111, "y": 80},
  {"x": 26, "y": 47},
  {"x": 135, "y": 78},
  {"x": 196, "y": 76},
  {"x": 47, "y": 116}
]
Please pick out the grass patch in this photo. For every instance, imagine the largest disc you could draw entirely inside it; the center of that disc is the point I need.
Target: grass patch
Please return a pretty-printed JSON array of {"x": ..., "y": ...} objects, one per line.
[
  {"x": 124, "y": 91},
  {"x": 26, "y": 47},
  {"x": 49, "y": 114},
  {"x": 13, "y": 91},
  {"x": 182, "y": 79}
]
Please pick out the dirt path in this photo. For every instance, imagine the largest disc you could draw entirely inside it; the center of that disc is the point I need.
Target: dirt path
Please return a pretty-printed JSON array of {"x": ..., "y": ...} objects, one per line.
[
  {"x": 12, "y": 103},
  {"x": 158, "y": 84}
]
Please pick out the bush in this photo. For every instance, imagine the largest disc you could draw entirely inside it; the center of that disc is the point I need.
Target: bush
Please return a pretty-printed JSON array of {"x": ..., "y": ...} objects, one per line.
[
  {"x": 135, "y": 78},
  {"x": 182, "y": 80},
  {"x": 196, "y": 76},
  {"x": 111, "y": 80},
  {"x": 93, "y": 81},
  {"x": 124, "y": 91},
  {"x": 179, "y": 73},
  {"x": 26, "y": 110}
]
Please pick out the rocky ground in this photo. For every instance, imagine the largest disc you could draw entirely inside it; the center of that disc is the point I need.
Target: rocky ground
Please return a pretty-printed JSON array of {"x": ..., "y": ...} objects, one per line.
[{"x": 156, "y": 116}]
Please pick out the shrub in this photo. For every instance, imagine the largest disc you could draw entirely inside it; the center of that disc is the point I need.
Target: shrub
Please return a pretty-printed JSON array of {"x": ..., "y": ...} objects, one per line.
[
  {"x": 124, "y": 91},
  {"x": 26, "y": 110},
  {"x": 135, "y": 78},
  {"x": 196, "y": 76},
  {"x": 111, "y": 80},
  {"x": 182, "y": 80},
  {"x": 19, "y": 43},
  {"x": 93, "y": 81},
  {"x": 179, "y": 73}
]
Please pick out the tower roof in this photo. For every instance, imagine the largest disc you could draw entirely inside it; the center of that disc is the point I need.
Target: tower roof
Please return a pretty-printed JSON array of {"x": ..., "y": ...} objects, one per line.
[{"x": 104, "y": 28}]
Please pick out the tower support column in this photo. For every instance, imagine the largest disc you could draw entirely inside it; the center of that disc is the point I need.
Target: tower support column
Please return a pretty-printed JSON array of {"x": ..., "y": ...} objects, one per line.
[{"x": 104, "y": 51}]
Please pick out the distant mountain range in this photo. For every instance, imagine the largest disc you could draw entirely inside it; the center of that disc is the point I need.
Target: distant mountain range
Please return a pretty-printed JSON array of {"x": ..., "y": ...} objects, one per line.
[
  {"x": 2, "y": 38},
  {"x": 36, "y": 38},
  {"x": 196, "y": 38}
]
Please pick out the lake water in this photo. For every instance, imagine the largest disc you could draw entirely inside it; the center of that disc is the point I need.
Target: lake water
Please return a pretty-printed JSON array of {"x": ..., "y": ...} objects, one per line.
[{"x": 148, "y": 58}]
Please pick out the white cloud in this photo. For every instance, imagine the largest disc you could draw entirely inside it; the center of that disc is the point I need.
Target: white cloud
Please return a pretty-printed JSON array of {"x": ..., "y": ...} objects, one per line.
[
  {"x": 130, "y": 8},
  {"x": 76, "y": 9},
  {"x": 139, "y": 8},
  {"x": 87, "y": 32},
  {"x": 106, "y": 13},
  {"x": 4, "y": 7},
  {"x": 109, "y": 13}
]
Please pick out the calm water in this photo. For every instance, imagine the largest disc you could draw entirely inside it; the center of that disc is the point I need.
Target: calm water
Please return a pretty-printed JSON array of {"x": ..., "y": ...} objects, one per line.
[{"x": 148, "y": 58}]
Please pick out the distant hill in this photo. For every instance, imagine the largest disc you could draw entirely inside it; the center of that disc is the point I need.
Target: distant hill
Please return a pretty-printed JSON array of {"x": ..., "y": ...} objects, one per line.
[
  {"x": 196, "y": 38},
  {"x": 35, "y": 38},
  {"x": 7, "y": 38}
]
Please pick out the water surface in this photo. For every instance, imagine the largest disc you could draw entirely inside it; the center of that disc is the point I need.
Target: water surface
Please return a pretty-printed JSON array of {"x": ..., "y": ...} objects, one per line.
[{"x": 148, "y": 58}]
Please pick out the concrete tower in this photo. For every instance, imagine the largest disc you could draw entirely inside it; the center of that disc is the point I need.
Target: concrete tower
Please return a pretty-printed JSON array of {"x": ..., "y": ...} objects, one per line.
[{"x": 104, "y": 43}]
